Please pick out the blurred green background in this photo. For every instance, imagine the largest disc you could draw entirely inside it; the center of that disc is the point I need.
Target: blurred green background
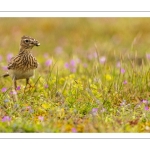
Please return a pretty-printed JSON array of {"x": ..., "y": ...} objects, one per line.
[
  {"x": 63, "y": 39},
  {"x": 76, "y": 34}
]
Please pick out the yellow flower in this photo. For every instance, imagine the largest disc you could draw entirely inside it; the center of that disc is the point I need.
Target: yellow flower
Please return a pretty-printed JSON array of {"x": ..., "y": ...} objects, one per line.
[
  {"x": 108, "y": 77},
  {"x": 93, "y": 86},
  {"x": 46, "y": 105},
  {"x": 71, "y": 76},
  {"x": 61, "y": 80}
]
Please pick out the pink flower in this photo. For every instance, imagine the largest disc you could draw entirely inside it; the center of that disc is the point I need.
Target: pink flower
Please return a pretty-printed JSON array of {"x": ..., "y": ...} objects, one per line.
[
  {"x": 148, "y": 56},
  {"x": 67, "y": 65},
  {"x": 41, "y": 118},
  {"x": 94, "y": 111},
  {"x": 72, "y": 65},
  {"x": 4, "y": 89},
  {"x": 145, "y": 101},
  {"x": 13, "y": 92},
  {"x": 123, "y": 103},
  {"x": 6, "y": 119},
  {"x": 102, "y": 60},
  {"x": 28, "y": 107},
  {"x": 74, "y": 130},
  {"x": 146, "y": 108},
  {"x": 18, "y": 88},
  {"x": 125, "y": 82},
  {"x": 122, "y": 70},
  {"x": 9, "y": 56},
  {"x": 46, "y": 86},
  {"x": 48, "y": 62},
  {"x": 118, "y": 65}
]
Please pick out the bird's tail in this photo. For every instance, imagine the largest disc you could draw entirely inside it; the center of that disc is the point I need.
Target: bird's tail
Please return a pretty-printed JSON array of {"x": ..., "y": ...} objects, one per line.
[{"x": 5, "y": 75}]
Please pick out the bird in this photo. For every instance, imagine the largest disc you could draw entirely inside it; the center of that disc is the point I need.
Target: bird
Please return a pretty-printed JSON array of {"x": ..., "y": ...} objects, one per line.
[{"x": 23, "y": 65}]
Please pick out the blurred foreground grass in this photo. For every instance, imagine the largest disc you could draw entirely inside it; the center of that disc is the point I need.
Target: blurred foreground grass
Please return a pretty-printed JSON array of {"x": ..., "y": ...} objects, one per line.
[{"x": 93, "y": 75}]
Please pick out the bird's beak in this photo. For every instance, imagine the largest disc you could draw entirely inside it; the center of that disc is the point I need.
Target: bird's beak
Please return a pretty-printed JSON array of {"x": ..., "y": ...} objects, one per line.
[{"x": 37, "y": 44}]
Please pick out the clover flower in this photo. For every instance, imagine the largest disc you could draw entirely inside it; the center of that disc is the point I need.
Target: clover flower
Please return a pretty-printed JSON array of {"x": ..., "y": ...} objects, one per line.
[
  {"x": 122, "y": 70},
  {"x": 72, "y": 65},
  {"x": 94, "y": 111},
  {"x": 4, "y": 89},
  {"x": 9, "y": 56},
  {"x": 48, "y": 62},
  {"x": 6, "y": 119},
  {"x": 102, "y": 60}
]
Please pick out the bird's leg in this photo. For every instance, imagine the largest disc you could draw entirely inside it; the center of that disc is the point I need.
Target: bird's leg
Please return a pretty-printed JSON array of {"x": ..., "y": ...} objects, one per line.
[
  {"x": 15, "y": 84},
  {"x": 27, "y": 82},
  {"x": 14, "y": 93}
]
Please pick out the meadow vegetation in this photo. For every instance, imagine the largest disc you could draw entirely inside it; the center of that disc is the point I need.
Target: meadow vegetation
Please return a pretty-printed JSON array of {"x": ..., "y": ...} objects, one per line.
[{"x": 93, "y": 75}]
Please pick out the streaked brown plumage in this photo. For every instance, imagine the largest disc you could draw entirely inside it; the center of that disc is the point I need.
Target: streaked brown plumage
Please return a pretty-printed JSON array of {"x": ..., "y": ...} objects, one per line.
[{"x": 23, "y": 65}]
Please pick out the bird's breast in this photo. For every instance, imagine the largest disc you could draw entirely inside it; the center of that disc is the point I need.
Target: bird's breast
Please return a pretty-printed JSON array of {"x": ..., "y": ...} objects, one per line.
[{"x": 18, "y": 74}]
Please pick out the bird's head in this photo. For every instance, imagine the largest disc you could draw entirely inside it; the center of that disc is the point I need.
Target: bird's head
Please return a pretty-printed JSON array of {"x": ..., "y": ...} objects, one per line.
[{"x": 28, "y": 42}]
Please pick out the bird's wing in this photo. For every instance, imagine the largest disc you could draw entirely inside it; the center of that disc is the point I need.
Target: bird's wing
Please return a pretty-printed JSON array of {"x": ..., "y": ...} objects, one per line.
[{"x": 11, "y": 63}]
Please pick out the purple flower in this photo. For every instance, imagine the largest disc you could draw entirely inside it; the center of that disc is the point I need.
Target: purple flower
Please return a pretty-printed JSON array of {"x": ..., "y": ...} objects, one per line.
[
  {"x": 48, "y": 62},
  {"x": 6, "y": 119},
  {"x": 41, "y": 118},
  {"x": 13, "y": 92},
  {"x": 145, "y": 101},
  {"x": 72, "y": 65},
  {"x": 146, "y": 108},
  {"x": 67, "y": 65},
  {"x": 9, "y": 56},
  {"x": 148, "y": 56},
  {"x": 74, "y": 130},
  {"x": 122, "y": 70},
  {"x": 18, "y": 88},
  {"x": 94, "y": 111},
  {"x": 102, "y": 60},
  {"x": 125, "y": 82},
  {"x": 4, "y": 89}
]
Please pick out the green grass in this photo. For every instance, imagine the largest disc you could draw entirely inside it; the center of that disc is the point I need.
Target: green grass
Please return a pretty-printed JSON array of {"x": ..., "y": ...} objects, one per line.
[{"x": 97, "y": 79}]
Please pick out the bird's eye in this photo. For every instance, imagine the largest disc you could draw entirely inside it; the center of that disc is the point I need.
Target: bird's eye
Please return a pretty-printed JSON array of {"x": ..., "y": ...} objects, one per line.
[{"x": 26, "y": 41}]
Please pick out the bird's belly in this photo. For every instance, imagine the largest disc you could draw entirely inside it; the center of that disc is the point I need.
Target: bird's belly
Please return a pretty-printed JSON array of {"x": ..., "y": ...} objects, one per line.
[{"x": 17, "y": 74}]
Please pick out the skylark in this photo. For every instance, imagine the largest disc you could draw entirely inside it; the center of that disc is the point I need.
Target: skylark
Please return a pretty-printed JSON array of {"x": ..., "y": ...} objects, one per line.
[{"x": 23, "y": 65}]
